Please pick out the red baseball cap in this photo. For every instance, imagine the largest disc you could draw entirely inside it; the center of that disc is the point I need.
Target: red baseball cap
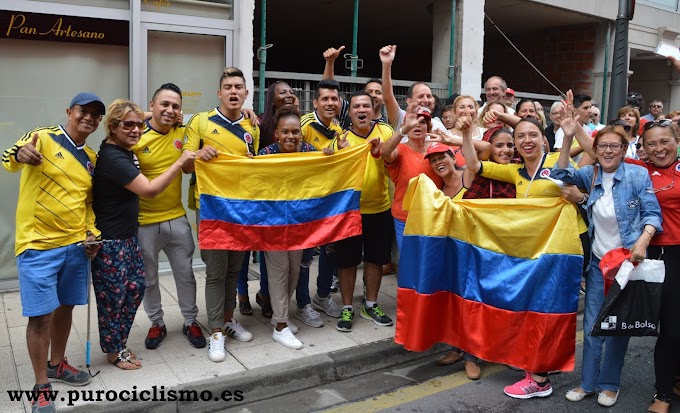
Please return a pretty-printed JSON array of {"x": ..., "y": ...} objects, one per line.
[
  {"x": 510, "y": 91},
  {"x": 424, "y": 112},
  {"x": 437, "y": 148}
]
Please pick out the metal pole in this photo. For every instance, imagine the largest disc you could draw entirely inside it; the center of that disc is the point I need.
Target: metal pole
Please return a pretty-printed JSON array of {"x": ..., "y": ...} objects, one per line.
[
  {"x": 605, "y": 76},
  {"x": 452, "y": 49},
  {"x": 262, "y": 54},
  {"x": 619, "y": 82},
  {"x": 355, "y": 35}
]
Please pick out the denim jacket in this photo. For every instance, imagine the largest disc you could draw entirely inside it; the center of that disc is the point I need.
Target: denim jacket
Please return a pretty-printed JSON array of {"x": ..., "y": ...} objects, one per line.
[{"x": 635, "y": 204}]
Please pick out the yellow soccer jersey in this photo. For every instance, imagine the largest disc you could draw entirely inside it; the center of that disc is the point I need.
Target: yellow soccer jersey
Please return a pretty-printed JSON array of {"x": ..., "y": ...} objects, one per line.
[
  {"x": 516, "y": 173},
  {"x": 315, "y": 133},
  {"x": 375, "y": 197},
  {"x": 212, "y": 128},
  {"x": 156, "y": 152},
  {"x": 54, "y": 208}
]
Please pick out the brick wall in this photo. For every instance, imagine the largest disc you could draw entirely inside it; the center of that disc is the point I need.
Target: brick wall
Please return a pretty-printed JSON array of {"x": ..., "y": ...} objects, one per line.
[{"x": 566, "y": 55}]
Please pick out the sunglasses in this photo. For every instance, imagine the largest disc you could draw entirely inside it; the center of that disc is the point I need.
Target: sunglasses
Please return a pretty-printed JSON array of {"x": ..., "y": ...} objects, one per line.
[
  {"x": 661, "y": 122},
  {"x": 130, "y": 124}
]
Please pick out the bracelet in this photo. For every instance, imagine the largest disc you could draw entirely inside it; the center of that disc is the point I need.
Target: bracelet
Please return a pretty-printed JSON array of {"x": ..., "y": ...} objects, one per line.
[
  {"x": 401, "y": 131},
  {"x": 584, "y": 200},
  {"x": 649, "y": 232}
]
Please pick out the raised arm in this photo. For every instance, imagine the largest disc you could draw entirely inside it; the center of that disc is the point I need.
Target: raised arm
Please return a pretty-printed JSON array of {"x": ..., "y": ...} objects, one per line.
[
  {"x": 390, "y": 148},
  {"x": 387, "y": 54},
  {"x": 569, "y": 127},
  {"x": 469, "y": 152},
  {"x": 483, "y": 148},
  {"x": 330, "y": 55}
]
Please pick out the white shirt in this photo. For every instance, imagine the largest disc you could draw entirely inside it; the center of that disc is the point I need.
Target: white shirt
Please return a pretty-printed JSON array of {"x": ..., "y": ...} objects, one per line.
[
  {"x": 606, "y": 227},
  {"x": 559, "y": 136}
]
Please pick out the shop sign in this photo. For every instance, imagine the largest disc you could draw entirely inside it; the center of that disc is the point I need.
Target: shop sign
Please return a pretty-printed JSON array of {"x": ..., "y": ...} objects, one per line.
[{"x": 73, "y": 29}]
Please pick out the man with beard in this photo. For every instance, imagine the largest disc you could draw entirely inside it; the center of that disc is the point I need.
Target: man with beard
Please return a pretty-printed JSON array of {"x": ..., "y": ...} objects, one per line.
[
  {"x": 319, "y": 130},
  {"x": 163, "y": 224}
]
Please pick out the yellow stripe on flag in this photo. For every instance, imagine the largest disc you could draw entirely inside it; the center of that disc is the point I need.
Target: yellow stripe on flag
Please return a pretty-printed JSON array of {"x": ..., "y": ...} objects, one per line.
[
  {"x": 282, "y": 177},
  {"x": 499, "y": 225}
]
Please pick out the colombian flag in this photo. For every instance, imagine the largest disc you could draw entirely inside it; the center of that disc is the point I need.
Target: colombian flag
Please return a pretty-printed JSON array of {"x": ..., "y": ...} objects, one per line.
[
  {"x": 498, "y": 278},
  {"x": 280, "y": 202}
]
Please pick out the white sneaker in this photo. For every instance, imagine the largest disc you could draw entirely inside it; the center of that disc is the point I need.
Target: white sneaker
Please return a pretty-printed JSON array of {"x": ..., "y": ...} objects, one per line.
[
  {"x": 293, "y": 327},
  {"x": 235, "y": 330},
  {"x": 327, "y": 305},
  {"x": 216, "y": 350},
  {"x": 287, "y": 338},
  {"x": 309, "y": 316}
]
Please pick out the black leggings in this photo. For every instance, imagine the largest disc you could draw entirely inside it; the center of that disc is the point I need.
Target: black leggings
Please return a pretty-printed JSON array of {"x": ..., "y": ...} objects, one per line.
[{"x": 667, "y": 350}]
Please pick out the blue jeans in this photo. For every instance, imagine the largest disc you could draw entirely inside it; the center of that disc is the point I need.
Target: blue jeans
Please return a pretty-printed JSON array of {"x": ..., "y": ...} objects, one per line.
[
  {"x": 602, "y": 356},
  {"x": 242, "y": 283},
  {"x": 323, "y": 281},
  {"x": 399, "y": 231}
]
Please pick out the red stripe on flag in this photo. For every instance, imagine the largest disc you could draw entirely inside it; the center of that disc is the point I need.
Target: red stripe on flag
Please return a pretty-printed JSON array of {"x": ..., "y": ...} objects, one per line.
[
  {"x": 536, "y": 342},
  {"x": 219, "y": 235}
]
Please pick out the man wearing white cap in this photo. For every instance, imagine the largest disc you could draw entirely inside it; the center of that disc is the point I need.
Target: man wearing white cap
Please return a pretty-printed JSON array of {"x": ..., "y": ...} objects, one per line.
[{"x": 54, "y": 215}]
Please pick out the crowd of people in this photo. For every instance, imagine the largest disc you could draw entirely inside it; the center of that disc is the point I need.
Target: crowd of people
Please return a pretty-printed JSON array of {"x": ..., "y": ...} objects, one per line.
[{"x": 120, "y": 208}]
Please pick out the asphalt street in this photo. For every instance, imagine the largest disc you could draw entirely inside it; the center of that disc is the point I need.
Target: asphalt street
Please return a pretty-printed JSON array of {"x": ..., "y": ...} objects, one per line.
[{"x": 424, "y": 386}]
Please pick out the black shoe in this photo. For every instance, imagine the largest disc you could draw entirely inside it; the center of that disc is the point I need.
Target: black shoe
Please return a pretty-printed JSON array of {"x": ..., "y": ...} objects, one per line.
[
  {"x": 155, "y": 336},
  {"x": 346, "y": 320},
  {"x": 194, "y": 334}
]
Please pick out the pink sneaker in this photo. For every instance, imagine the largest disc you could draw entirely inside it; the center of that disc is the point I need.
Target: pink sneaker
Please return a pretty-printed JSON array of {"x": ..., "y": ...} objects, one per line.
[{"x": 528, "y": 388}]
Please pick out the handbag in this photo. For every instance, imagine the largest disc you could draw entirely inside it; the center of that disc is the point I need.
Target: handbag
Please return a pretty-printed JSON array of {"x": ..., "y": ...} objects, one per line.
[{"x": 631, "y": 308}]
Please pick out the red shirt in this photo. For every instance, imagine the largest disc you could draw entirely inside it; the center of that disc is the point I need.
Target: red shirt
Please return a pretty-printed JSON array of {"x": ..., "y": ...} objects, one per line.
[
  {"x": 407, "y": 165},
  {"x": 669, "y": 199}
]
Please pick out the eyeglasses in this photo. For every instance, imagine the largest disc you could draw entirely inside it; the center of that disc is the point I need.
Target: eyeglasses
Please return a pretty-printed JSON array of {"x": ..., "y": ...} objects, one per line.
[
  {"x": 93, "y": 114},
  {"x": 638, "y": 145},
  {"x": 656, "y": 106},
  {"x": 615, "y": 147},
  {"x": 661, "y": 122},
  {"x": 130, "y": 124}
]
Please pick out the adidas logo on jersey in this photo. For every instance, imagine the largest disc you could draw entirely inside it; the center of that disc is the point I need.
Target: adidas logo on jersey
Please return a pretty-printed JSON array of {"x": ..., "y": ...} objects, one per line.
[
  {"x": 58, "y": 155},
  {"x": 146, "y": 150},
  {"x": 215, "y": 132},
  {"x": 316, "y": 139}
]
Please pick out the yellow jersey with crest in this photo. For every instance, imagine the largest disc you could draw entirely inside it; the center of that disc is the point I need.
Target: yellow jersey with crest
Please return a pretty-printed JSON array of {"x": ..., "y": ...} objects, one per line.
[
  {"x": 156, "y": 152},
  {"x": 315, "y": 133},
  {"x": 212, "y": 128},
  {"x": 54, "y": 208},
  {"x": 375, "y": 197},
  {"x": 540, "y": 186}
]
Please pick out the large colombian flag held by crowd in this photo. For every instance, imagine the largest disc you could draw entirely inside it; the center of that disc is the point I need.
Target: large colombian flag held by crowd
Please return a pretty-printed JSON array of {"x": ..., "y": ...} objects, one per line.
[
  {"x": 280, "y": 202},
  {"x": 498, "y": 278}
]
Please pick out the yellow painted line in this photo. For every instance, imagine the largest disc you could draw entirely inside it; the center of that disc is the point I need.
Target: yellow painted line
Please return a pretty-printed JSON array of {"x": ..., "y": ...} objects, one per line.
[
  {"x": 415, "y": 392},
  {"x": 419, "y": 391}
]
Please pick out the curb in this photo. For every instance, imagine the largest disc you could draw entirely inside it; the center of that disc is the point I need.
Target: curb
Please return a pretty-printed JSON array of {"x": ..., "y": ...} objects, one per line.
[{"x": 271, "y": 381}]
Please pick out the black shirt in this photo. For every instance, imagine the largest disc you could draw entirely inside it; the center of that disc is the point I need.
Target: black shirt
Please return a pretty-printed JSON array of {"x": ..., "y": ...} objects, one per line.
[
  {"x": 550, "y": 136},
  {"x": 116, "y": 209}
]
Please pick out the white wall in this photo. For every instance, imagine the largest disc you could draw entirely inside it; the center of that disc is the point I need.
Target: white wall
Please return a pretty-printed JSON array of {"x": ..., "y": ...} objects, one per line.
[{"x": 469, "y": 46}]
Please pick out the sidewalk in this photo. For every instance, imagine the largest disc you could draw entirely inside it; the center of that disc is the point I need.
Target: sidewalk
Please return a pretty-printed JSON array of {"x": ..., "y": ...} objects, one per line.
[{"x": 175, "y": 363}]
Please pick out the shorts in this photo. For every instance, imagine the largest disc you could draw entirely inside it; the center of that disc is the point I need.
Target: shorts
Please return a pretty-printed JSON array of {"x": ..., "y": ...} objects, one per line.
[
  {"x": 376, "y": 242},
  {"x": 50, "y": 278}
]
